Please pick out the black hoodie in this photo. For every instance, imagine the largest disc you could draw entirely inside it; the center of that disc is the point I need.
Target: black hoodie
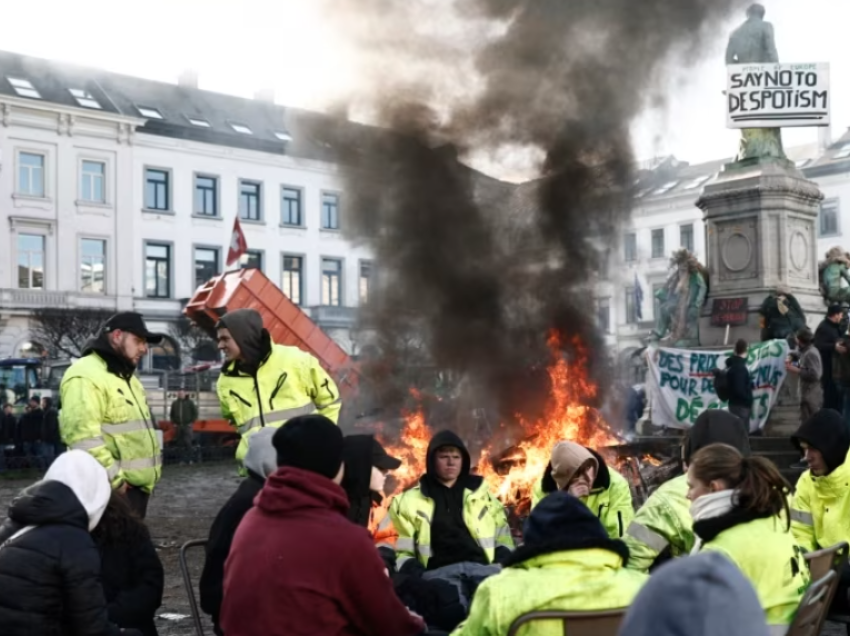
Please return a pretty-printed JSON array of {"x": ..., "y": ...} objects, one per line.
[
  {"x": 246, "y": 328},
  {"x": 717, "y": 427},
  {"x": 826, "y": 432},
  {"x": 50, "y": 575},
  {"x": 740, "y": 386},
  {"x": 451, "y": 540}
]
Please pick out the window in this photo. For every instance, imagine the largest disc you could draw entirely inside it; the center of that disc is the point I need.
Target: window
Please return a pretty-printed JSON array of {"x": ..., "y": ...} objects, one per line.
[
  {"x": 828, "y": 218},
  {"x": 657, "y": 243},
  {"x": 92, "y": 266},
  {"x": 92, "y": 181},
  {"x": 197, "y": 121},
  {"x": 664, "y": 189},
  {"x": 241, "y": 128},
  {"x": 23, "y": 87},
  {"x": 331, "y": 282},
  {"x": 206, "y": 196},
  {"x": 293, "y": 270},
  {"x": 843, "y": 152},
  {"x": 365, "y": 281},
  {"x": 603, "y": 315},
  {"x": 206, "y": 264},
  {"x": 330, "y": 211},
  {"x": 157, "y": 270},
  {"x": 631, "y": 247},
  {"x": 249, "y": 201},
  {"x": 283, "y": 136},
  {"x": 290, "y": 206},
  {"x": 156, "y": 189},
  {"x": 631, "y": 311},
  {"x": 84, "y": 98},
  {"x": 31, "y": 174},
  {"x": 30, "y": 261},
  {"x": 656, "y": 303},
  {"x": 686, "y": 236},
  {"x": 697, "y": 182},
  {"x": 252, "y": 259},
  {"x": 801, "y": 163},
  {"x": 151, "y": 113}
]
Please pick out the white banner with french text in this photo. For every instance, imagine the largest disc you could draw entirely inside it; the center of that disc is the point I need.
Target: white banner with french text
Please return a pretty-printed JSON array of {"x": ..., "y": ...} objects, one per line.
[{"x": 680, "y": 382}]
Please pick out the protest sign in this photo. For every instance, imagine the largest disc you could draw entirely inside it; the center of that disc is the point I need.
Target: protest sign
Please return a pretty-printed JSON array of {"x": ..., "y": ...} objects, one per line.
[
  {"x": 777, "y": 95},
  {"x": 680, "y": 383}
]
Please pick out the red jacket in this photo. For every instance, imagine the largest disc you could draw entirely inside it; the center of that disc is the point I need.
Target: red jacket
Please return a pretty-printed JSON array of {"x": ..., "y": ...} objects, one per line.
[{"x": 299, "y": 567}]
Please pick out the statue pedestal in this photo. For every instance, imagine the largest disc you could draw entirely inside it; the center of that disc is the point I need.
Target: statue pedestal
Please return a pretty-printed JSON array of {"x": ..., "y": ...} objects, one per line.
[{"x": 761, "y": 220}]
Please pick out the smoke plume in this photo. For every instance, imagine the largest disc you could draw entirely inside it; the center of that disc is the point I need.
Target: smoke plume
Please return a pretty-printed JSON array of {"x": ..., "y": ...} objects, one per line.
[{"x": 483, "y": 270}]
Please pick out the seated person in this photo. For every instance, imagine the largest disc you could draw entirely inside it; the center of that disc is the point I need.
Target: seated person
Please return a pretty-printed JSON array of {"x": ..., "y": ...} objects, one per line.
[
  {"x": 449, "y": 517},
  {"x": 584, "y": 474},
  {"x": 740, "y": 509},
  {"x": 663, "y": 528},
  {"x": 705, "y": 595},
  {"x": 366, "y": 468},
  {"x": 260, "y": 462},
  {"x": 297, "y": 564},
  {"x": 567, "y": 562},
  {"x": 820, "y": 508}
]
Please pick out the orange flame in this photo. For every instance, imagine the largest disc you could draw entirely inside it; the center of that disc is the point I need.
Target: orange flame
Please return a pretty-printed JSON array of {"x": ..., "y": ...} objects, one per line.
[{"x": 512, "y": 473}]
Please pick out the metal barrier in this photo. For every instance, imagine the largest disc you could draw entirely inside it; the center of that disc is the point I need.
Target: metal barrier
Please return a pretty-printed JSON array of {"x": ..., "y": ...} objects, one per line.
[{"x": 187, "y": 582}]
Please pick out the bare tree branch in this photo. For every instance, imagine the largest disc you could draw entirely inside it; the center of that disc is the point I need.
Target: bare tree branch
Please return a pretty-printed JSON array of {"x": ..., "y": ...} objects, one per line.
[
  {"x": 66, "y": 330},
  {"x": 194, "y": 341}
]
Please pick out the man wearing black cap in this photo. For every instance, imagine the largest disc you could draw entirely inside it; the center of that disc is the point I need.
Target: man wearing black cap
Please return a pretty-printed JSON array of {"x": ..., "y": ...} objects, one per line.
[
  {"x": 820, "y": 509},
  {"x": 827, "y": 337},
  {"x": 297, "y": 564},
  {"x": 104, "y": 410}
]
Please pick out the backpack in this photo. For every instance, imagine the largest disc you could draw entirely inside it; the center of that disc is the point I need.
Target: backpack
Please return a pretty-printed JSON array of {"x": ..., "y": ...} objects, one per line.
[{"x": 721, "y": 384}]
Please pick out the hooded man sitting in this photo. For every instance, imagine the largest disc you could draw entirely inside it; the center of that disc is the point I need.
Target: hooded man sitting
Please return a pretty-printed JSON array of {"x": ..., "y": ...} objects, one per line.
[
  {"x": 567, "y": 562},
  {"x": 260, "y": 462},
  {"x": 267, "y": 384},
  {"x": 450, "y": 516},
  {"x": 820, "y": 508},
  {"x": 585, "y": 475},
  {"x": 297, "y": 564},
  {"x": 663, "y": 527}
]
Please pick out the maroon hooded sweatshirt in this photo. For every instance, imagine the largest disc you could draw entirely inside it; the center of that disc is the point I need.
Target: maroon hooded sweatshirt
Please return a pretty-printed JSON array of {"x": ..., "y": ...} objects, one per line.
[{"x": 299, "y": 567}]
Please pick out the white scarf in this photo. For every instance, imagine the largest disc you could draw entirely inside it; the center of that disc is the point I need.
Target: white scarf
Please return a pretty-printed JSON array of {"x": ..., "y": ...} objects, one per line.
[{"x": 709, "y": 506}]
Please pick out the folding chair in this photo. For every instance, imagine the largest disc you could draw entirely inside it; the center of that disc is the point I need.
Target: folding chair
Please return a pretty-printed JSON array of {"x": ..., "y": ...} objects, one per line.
[
  {"x": 814, "y": 606},
  {"x": 605, "y": 623},
  {"x": 187, "y": 582},
  {"x": 822, "y": 561}
]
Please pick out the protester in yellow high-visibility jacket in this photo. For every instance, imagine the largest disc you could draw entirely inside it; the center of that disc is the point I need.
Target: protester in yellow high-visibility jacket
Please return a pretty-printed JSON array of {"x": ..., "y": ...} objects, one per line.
[
  {"x": 567, "y": 562},
  {"x": 267, "y": 384},
  {"x": 104, "y": 410},
  {"x": 584, "y": 473},
  {"x": 740, "y": 510}
]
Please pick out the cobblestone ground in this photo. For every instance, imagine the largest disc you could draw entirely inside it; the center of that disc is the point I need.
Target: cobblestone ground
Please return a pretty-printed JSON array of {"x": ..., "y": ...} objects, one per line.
[{"x": 182, "y": 509}]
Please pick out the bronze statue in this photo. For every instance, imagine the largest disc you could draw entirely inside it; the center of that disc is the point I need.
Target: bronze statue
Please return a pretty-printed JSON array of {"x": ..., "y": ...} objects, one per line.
[
  {"x": 753, "y": 43},
  {"x": 781, "y": 315},
  {"x": 680, "y": 301},
  {"x": 834, "y": 271}
]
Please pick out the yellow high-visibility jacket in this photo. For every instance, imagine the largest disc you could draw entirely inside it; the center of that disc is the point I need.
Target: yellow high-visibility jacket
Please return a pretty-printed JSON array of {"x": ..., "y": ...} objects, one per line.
[
  {"x": 108, "y": 416},
  {"x": 820, "y": 508},
  {"x": 289, "y": 382}
]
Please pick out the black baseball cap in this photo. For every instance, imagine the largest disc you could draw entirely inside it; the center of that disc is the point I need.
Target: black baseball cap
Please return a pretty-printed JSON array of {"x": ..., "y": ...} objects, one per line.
[
  {"x": 382, "y": 460},
  {"x": 134, "y": 323}
]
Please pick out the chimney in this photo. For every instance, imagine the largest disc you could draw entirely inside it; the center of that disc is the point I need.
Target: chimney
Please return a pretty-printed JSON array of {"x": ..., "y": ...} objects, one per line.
[
  {"x": 824, "y": 138},
  {"x": 188, "y": 79},
  {"x": 265, "y": 95}
]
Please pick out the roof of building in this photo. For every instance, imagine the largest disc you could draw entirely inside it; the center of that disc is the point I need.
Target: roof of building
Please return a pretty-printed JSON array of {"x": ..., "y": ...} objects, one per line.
[{"x": 177, "y": 111}]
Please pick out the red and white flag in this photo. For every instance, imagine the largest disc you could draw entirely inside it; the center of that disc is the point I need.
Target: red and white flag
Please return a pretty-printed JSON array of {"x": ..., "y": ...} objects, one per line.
[{"x": 238, "y": 244}]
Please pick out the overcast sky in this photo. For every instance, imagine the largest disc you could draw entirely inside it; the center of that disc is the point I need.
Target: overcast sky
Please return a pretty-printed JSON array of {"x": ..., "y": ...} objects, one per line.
[{"x": 241, "y": 46}]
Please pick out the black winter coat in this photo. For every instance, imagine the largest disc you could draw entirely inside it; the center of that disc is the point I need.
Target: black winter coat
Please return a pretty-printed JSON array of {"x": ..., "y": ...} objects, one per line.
[
  {"x": 220, "y": 540},
  {"x": 8, "y": 424},
  {"x": 740, "y": 386},
  {"x": 50, "y": 576},
  {"x": 133, "y": 581},
  {"x": 50, "y": 427}
]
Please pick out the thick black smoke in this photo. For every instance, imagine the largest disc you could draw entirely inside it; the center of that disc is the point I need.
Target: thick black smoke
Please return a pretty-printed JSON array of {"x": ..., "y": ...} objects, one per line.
[{"x": 483, "y": 270}]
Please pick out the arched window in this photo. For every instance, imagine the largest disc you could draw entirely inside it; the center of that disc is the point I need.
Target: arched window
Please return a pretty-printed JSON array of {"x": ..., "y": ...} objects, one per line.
[{"x": 164, "y": 356}]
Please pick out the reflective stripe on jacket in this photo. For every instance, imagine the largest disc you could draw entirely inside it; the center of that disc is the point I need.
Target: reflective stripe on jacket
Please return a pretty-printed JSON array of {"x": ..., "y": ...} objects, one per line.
[
  {"x": 108, "y": 417},
  {"x": 820, "y": 508},
  {"x": 770, "y": 558},
  {"x": 484, "y": 515},
  {"x": 664, "y": 521},
  {"x": 572, "y": 580},
  {"x": 613, "y": 505},
  {"x": 290, "y": 382}
]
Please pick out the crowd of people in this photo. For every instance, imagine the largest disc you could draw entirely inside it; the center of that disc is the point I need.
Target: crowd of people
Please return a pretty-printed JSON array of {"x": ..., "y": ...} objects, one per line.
[
  {"x": 308, "y": 544},
  {"x": 31, "y": 439}
]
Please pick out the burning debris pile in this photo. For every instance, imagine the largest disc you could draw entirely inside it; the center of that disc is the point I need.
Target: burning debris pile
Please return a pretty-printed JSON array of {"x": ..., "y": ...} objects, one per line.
[{"x": 548, "y": 87}]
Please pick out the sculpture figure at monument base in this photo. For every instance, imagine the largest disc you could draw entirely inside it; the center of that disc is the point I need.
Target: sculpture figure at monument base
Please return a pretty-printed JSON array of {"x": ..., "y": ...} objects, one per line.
[
  {"x": 834, "y": 270},
  {"x": 681, "y": 300}
]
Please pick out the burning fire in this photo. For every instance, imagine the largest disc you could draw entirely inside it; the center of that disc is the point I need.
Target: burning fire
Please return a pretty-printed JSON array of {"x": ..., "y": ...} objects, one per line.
[{"x": 512, "y": 472}]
